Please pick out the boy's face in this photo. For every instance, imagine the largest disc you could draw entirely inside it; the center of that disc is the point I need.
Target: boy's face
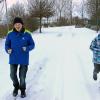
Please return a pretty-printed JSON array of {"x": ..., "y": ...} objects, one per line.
[{"x": 18, "y": 26}]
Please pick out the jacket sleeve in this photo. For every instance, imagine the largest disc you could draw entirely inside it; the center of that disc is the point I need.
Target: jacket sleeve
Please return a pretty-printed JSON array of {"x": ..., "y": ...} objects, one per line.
[
  {"x": 31, "y": 44},
  {"x": 94, "y": 45},
  {"x": 7, "y": 43}
]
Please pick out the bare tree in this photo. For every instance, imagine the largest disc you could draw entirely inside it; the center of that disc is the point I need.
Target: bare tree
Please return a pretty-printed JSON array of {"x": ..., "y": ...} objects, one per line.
[
  {"x": 40, "y": 9},
  {"x": 94, "y": 11},
  {"x": 16, "y": 10},
  {"x": 91, "y": 7},
  {"x": 49, "y": 11},
  {"x": 64, "y": 8},
  {"x": 81, "y": 9},
  {"x": 70, "y": 10},
  {"x": 60, "y": 7}
]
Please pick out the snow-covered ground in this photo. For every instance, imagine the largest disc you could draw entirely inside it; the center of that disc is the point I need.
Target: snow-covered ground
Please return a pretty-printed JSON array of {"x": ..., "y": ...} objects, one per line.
[{"x": 60, "y": 67}]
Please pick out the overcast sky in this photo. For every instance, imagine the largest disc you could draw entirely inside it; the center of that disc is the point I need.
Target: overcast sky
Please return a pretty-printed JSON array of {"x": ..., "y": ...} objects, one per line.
[{"x": 10, "y": 2}]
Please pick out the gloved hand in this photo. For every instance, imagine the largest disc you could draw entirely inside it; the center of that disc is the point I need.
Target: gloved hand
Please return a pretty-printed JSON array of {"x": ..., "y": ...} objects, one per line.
[
  {"x": 24, "y": 48},
  {"x": 9, "y": 51}
]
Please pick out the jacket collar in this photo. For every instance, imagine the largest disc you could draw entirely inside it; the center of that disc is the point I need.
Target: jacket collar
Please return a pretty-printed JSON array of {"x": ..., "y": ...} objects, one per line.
[{"x": 21, "y": 31}]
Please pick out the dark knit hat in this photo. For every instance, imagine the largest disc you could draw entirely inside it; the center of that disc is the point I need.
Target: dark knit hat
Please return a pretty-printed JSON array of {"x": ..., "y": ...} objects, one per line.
[{"x": 18, "y": 20}]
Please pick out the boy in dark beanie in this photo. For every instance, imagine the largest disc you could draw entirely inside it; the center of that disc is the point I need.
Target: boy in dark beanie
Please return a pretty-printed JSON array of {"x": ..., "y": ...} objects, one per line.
[
  {"x": 18, "y": 20},
  {"x": 18, "y": 44}
]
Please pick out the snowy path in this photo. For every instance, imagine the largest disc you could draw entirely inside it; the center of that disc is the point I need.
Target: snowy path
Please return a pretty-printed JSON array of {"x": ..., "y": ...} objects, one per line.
[
  {"x": 60, "y": 67},
  {"x": 74, "y": 88}
]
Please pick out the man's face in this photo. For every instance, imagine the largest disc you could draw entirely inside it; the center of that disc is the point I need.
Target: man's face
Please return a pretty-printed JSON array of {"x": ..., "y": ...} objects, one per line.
[{"x": 18, "y": 26}]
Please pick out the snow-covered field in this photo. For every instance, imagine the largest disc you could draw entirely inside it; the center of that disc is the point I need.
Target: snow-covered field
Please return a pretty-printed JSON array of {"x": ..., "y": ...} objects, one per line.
[{"x": 60, "y": 67}]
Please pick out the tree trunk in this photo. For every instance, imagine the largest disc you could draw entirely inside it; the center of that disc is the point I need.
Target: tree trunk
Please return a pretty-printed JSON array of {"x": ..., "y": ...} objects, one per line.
[
  {"x": 47, "y": 21},
  {"x": 97, "y": 14},
  {"x": 40, "y": 24}
]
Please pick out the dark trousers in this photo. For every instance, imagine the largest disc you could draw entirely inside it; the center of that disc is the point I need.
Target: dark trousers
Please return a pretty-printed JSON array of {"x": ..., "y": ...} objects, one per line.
[
  {"x": 96, "y": 68},
  {"x": 22, "y": 76}
]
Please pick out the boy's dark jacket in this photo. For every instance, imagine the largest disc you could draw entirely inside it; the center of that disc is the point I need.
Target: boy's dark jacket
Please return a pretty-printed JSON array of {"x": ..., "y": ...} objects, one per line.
[{"x": 16, "y": 40}]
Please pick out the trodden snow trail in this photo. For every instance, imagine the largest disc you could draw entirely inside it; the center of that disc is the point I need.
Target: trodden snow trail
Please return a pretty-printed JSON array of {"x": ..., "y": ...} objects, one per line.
[
  {"x": 74, "y": 88},
  {"x": 86, "y": 66},
  {"x": 60, "y": 67},
  {"x": 33, "y": 75}
]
